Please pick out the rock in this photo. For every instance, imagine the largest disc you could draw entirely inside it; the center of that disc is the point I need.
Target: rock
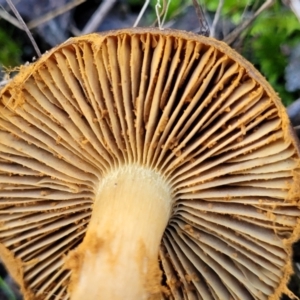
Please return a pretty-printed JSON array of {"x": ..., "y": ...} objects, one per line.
[
  {"x": 292, "y": 71},
  {"x": 293, "y": 111}
]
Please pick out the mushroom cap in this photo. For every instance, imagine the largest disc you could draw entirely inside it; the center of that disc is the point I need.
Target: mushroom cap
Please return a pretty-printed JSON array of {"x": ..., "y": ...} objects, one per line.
[{"x": 186, "y": 106}]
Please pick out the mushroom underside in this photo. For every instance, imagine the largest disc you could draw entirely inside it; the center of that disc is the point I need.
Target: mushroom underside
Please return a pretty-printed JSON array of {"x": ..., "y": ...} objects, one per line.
[{"x": 205, "y": 127}]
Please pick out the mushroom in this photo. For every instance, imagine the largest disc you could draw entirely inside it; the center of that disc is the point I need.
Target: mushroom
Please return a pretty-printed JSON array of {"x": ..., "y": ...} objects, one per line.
[{"x": 147, "y": 164}]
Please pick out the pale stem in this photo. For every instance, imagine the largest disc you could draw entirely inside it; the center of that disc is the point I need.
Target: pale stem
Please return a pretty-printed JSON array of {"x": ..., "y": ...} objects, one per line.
[{"x": 118, "y": 258}]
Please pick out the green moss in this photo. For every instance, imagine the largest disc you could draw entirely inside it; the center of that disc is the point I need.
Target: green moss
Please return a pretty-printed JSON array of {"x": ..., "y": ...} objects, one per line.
[
  {"x": 10, "y": 51},
  {"x": 273, "y": 30}
]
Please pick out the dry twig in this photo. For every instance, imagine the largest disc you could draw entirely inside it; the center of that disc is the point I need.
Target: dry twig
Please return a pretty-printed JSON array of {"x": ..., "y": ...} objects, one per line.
[
  {"x": 21, "y": 21},
  {"x": 54, "y": 13},
  {"x": 204, "y": 27},
  {"x": 98, "y": 16},
  {"x": 40, "y": 20}
]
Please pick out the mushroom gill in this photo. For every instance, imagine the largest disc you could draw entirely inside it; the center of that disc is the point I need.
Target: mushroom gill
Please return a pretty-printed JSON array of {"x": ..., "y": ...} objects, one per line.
[{"x": 146, "y": 164}]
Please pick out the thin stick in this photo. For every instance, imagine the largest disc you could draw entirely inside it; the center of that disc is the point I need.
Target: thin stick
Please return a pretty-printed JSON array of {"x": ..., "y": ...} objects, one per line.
[
  {"x": 230, "y": 38},
  {"x": 98, "y": 16},
  {"x": 204, "y": 27},
  {"x": 52, "y": 14},
  {"x": 216, "y": 18},
  {"x": 15, "y": 11},
  {"x": 141, "y": 13}
]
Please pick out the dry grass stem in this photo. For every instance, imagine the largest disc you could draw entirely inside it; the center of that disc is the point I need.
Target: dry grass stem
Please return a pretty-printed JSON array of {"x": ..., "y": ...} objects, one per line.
[
  {"x": 161, "y": 13},
  {"x": 230, "y": 38},
  {"x": 247, "y": 7},
  {"x": 9, "y": 18},
  {"x": 26, "y": 29},
  {"x": 165, "y": 13},
  {"x": 216, "y": 18},
  {"x": 54, "y": 13},
  {"x": 74, "y": 30},
  {"x": 98, "y": 16},
  {"x": 295, "y": 7},
  {"x": 4, "y": 82},
  {"x": 146, "y": 4}
]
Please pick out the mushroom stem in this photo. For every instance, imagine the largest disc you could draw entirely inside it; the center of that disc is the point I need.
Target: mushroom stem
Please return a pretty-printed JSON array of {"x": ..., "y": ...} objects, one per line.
[{"x": 118, "y": 258}]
